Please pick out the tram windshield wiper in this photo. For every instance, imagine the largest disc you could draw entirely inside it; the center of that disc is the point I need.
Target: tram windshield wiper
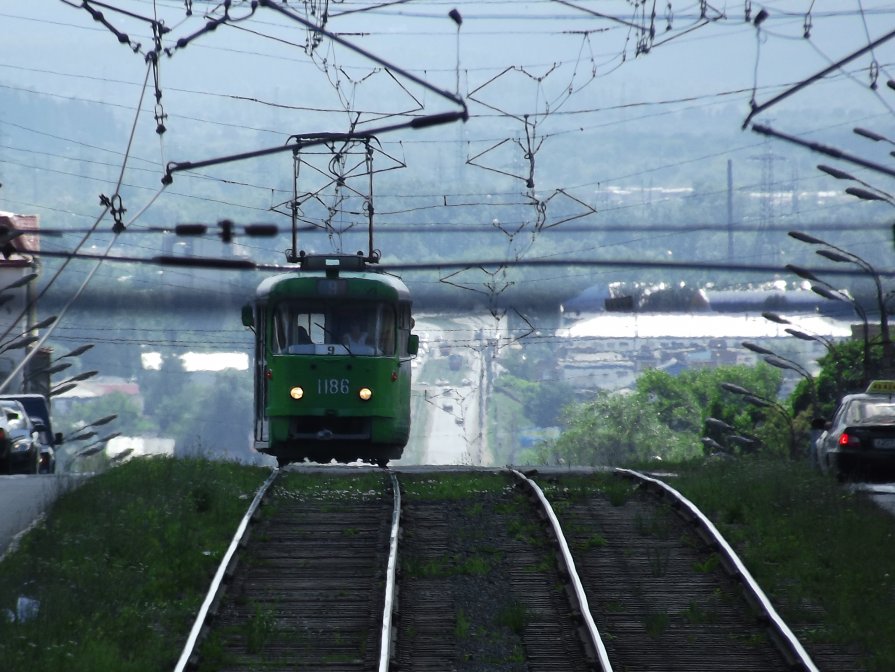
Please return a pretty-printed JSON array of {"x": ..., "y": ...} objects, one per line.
[{"x": 334, "y": 339}]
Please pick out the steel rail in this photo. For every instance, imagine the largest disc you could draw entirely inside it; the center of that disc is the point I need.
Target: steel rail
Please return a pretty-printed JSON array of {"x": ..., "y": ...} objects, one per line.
[
  {"x": 595, "y": 640},
  {"x": 202, "y": 616},
  {"x": 785, "y": 638},
  {"x": 385, "y": 644}
]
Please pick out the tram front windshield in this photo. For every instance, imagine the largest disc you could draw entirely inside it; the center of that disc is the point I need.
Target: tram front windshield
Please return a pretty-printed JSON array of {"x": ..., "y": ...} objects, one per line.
[{"x": 321, "y": 328}]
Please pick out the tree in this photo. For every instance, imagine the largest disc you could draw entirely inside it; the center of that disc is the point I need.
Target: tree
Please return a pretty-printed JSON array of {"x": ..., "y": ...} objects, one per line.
[
  {"x": 842, "y": 372},
  {"x": 665, "y": 417},
  {"x": 130, "y": 420},
  {"x": 610, "y": 430},
  {"x": 542, "y": 402}
]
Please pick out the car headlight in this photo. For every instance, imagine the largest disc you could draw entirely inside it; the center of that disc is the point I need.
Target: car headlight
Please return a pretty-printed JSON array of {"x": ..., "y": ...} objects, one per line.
[{"x": 21, "y": 445}]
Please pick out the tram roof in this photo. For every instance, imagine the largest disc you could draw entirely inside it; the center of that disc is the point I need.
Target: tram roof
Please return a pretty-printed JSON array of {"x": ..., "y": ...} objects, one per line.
[{"x": 304, "y": 279}]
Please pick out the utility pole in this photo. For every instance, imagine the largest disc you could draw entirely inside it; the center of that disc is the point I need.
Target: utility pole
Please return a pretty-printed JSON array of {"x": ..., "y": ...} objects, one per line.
[{"x": 729, "y": 211}]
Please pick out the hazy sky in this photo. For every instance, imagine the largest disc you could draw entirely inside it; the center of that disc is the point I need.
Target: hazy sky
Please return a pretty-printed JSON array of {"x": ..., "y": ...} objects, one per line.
[
  {"x": 566, "y": 44},
  {"x": 549, "y": 80},
  {"x": 579, "y": 68}
]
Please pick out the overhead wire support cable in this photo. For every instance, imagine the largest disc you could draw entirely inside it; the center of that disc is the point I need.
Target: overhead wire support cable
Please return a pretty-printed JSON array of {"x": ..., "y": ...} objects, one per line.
[
  {"x": 600, "y": 15},
  {"x": 99, "y": 259},
  {"x": 210, "y": 25},
  {"x": 117, "y": 229},
  {"x": 158, "y": 27},
  {"x": 317, "y": 139},
  {"x": 367, "y": 54},
  {"x": 86, "y": 5},
  {"x": 757, "y": 109},
  {"x": 107, "y": 206},
  {"x": 246, "y": 264}
]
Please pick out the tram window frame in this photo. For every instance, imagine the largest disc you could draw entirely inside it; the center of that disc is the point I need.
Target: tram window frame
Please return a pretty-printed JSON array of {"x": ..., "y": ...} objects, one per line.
[{"x": 326, "y": 325}]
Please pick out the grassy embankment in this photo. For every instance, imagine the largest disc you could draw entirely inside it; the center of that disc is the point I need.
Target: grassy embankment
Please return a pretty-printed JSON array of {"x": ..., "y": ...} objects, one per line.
[
  {"x": 823, "y": 552},
  {"x": 121, "y": 565}
]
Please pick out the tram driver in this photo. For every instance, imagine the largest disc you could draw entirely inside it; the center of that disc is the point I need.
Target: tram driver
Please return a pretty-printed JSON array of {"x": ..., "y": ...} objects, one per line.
[{"x": 356, "y": 339}]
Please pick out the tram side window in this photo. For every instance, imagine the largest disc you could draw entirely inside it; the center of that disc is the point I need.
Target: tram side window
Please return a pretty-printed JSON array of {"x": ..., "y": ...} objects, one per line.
[
  {"x": 386, "y": 341},
  {"x": 405, "y": 324},
  {"x": 278, "y": 342}
]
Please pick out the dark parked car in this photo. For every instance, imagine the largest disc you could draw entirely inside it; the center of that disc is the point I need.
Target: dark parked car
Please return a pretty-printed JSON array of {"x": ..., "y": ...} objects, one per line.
[
  {"x": 22, "y": 447},
  {"x": 38, "y": 409},
  {"x": 860, "y": 439},
  {"x": 4, "y": 444}
]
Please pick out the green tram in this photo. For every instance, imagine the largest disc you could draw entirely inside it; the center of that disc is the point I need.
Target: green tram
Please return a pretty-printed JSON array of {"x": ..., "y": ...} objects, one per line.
[{"x": 333, "y": 348}]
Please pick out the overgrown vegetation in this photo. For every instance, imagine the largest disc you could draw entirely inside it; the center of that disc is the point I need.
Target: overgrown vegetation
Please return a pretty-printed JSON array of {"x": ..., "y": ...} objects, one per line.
[
  {"x": 667, "y": 417},
  {"x": 449, "y": 487},
  {"x": 197, "y": 412},
  {"x": 823, "y": 552},
  {"x": 127, "y": 557},
  {"x": 119, "y": 568},
  {"x": 664, "y": 417}
]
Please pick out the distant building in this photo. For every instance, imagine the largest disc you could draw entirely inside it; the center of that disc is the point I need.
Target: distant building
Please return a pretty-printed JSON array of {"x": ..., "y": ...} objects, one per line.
[
  {"x": 19, "y": 239},
  {"x": 610, "y": 350},
  {"x": 591, "y": 300},
  {"x": 195, "y": 362},
  {"x": 774, "y": 300}
]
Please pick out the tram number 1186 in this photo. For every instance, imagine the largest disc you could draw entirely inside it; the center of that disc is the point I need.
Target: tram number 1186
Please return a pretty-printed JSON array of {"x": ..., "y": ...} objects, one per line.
[{"x": 332, "y": 386}]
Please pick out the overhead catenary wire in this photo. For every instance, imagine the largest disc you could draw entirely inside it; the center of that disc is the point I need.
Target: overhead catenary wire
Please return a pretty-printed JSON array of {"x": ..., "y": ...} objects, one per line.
[
  {"x": 49, "y": 331},
  {"x": 606, "y": 179},
  {"x": 554, "y": 111},
  {"x": 106, "y": 208},
  {"x": 556, "y": 115}
]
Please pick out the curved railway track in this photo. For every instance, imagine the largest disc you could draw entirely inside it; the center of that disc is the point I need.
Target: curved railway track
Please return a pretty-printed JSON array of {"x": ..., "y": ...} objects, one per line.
[
  {"x": 657, "y": 583},
  {"x": 490, "y": 577}
]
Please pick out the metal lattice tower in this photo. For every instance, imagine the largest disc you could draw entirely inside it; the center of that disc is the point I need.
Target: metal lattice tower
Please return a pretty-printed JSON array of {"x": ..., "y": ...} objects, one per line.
[{"x": 764, "y": 247}]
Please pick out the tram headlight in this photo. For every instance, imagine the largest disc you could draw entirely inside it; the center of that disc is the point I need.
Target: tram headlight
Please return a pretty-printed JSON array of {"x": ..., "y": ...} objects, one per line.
[
  {"x": 296, "y": 393},
  {"x": 365, "y": 394}
]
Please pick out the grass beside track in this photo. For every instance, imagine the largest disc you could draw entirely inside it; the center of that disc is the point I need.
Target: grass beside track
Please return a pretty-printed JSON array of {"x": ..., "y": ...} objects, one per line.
[
  {"x": 823, "y": 552},
  {"x": 120, "y": 565}
]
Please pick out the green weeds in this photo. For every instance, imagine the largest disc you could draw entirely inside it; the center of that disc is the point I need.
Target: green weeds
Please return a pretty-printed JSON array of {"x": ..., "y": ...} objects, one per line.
[
  {"x": 656, "y": 623},
  {"x": 658, "y": 561},
  {"x": 260, "y": 628},
  {"x": 824, "y": 553},
  {"x": 594, "y": 540},
  {"x": 515, "y": 617},
  {"x": 462, "y": 625},
  {"x": 454, "y": 486},
  {"x": 331, "y": 487},
  {"x": 126, "y": 558},
  {"x": 453, "y": 565},
  {"x": 708, "y": 565}
]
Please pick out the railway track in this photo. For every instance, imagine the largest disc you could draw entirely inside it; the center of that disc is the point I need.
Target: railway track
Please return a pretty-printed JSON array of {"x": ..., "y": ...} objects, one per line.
[
  {"x": 667, "y": 593},
  {"x": 307, "y": 588},
  {"x": 486, "y": 572},
  {"x": 479, "y": 583}
]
